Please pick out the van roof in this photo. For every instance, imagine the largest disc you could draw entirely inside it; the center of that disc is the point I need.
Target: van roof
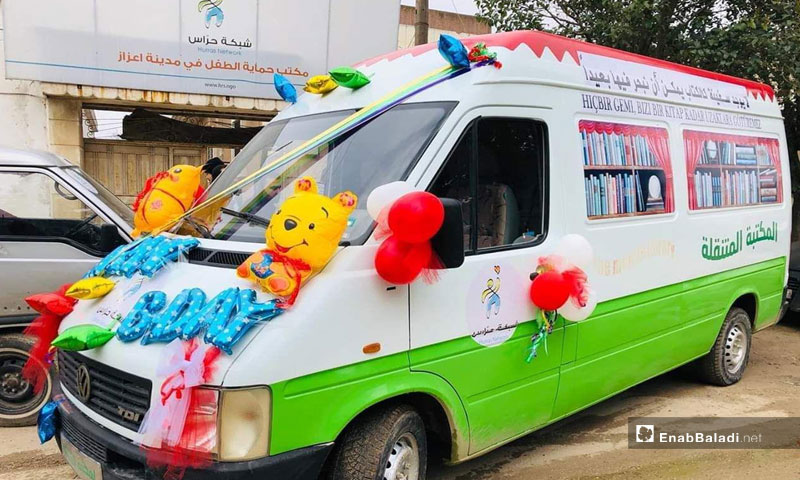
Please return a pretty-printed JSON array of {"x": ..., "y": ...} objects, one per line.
[
  {"x": 30, "y": 158},
  {"x": 561, "y": 46}
]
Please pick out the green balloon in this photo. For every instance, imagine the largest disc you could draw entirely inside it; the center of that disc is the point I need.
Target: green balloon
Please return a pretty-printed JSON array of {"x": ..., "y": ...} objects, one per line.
[
  {"x": 349, "y": 77},
  {"x": 82, "y": 337}
]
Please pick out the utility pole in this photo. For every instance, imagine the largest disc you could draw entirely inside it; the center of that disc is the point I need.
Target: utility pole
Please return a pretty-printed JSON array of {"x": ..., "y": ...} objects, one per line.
[{"x": 421, "y": 23}]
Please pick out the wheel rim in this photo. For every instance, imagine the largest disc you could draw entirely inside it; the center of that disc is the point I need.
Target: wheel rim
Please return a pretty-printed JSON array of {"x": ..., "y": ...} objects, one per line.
[
  {"x": 17, "y": 396},
  {"x": 735, "y": 349},
  {"x": 403, "y": 461}
]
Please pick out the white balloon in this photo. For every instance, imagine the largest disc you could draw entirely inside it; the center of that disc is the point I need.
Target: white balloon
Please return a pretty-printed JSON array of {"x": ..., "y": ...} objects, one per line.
[
  {"x": 572, "y": 312},
  {"x": 385, "y": 195},
  {"x": 575, "y": 249}
]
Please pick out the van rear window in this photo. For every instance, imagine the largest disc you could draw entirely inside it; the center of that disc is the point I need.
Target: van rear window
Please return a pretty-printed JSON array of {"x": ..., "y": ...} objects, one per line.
[
  {"x": 627, "y": 170},
  {"x": 726, "y": 170}
]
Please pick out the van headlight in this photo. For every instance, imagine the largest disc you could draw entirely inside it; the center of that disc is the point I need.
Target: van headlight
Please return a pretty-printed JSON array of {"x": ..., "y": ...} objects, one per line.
[{"x": 244, "y": 423}]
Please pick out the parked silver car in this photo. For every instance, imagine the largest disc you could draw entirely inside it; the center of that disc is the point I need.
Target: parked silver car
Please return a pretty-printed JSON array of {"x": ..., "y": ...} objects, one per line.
[{"x": 55, "y": 223}]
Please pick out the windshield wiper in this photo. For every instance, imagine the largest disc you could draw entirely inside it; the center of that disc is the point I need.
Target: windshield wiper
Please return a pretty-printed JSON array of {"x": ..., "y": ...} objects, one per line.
[
  {"x": 200, "y": 228},
  {"x": 254, "y": 219}
]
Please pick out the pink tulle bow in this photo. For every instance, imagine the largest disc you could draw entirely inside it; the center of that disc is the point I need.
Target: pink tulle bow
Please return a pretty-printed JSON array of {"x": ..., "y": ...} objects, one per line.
[
  {"x": 578, "y": 286},
  {"x": 575, "y": 277}
]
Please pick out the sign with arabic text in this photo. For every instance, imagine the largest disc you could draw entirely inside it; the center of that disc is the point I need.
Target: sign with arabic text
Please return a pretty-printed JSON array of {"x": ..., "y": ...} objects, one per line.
[{"x": 219, "y": 47}]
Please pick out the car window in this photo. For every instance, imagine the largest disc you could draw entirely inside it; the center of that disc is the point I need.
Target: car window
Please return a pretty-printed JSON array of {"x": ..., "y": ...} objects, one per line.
[
  {"x": 497, "y": 172},
  {"x": 34, "y": 206}
]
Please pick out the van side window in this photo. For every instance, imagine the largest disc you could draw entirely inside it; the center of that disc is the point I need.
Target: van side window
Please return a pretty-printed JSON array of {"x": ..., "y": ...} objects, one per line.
[
  {"x": 33, "y": 207},
  {"x": 731, "y": 170},
  {"x": 627, "y": 170},
  {"x": 497, "y": 170}
]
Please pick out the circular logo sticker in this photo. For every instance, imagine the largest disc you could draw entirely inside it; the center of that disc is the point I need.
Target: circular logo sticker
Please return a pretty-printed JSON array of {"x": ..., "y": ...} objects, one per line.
[{"x": 496, "y": 302}]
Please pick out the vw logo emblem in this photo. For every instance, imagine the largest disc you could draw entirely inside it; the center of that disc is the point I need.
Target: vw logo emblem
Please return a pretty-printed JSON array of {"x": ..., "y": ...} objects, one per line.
[{"x": 83, "y": 383}]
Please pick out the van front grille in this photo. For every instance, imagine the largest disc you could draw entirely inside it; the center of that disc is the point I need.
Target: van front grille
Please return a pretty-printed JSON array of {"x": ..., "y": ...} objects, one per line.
[
  {"x": 116, "y": 395},
  {"x": 86, "y": 444}
]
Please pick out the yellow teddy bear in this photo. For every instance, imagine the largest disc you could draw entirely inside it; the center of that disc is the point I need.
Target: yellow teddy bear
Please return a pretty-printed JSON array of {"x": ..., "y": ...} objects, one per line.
[{"x": 302, "y": 236}]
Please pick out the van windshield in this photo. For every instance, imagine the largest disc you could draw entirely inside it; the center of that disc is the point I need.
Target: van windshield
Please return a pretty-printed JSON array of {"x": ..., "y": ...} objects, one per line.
[{"x": 381, "y": 151}]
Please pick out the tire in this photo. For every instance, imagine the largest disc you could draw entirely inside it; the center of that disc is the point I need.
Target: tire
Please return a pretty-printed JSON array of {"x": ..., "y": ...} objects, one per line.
[
  {"x": 19, "y": 405},
  {"x": 726, "y": 362},
  {"x": 381, "y": 446}
]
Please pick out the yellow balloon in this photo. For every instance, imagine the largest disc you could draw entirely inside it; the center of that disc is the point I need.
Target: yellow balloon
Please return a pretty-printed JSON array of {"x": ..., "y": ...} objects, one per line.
[
  {"x": 320, "y": 84},
  {"x": 88, "y": 288}
]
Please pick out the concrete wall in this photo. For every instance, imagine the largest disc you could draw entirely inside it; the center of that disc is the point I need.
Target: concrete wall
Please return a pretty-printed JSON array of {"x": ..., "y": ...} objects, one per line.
[{"x": 24, "y": 114}]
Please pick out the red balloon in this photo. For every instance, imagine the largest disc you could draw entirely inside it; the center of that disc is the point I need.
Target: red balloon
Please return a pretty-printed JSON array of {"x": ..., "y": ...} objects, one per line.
[
  {"x": 416, "y": 217},
  {"x": 399, "y": 262},
  {"x": 549, "y": 290}
]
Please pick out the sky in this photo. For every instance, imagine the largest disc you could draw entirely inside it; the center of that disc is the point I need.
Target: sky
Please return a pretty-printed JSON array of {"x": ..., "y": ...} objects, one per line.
[{"x": 466, "y": 7}]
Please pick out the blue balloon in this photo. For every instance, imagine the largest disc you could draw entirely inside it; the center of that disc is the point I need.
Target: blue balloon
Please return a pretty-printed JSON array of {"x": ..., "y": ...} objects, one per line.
[
  {"x": 453, "y": 51},
  {"x": 165, "y": 252},
  {"x": 249, "y": 312},
  {"x": 100, "y": 268},
  {"x": 141, "y": 317},
  {"x": 140, "y": 254},
  {"x": 46, "y": 422},
  {"x": 214, "y": 315},
  {"x": 285, "y": 88},
  {"x": 146, "y": 255},
  {"x": 167, "y": 326},
  {"x": 114, "y": 267}
]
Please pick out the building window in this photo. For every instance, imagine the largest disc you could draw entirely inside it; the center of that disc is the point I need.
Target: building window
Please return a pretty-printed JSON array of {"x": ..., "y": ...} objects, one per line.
[
  {"x": 498, "y": 172},
  {"x": 626, "y": 170},
  {"x": 731, "y": 170}
]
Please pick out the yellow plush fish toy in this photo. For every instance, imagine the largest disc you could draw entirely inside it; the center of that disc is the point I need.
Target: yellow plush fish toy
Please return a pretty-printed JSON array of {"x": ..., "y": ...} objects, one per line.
[{"x": 165, "y": 196}]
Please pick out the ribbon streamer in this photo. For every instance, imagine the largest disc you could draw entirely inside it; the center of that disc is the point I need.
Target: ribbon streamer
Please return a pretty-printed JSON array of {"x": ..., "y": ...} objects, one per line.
[{"x": 354, "y": 121}]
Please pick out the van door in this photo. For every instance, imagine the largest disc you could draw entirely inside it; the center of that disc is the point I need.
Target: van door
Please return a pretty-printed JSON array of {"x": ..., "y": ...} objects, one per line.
[
  {"x": 474, "y": 325},
  {"x": 48, "y": 236}
]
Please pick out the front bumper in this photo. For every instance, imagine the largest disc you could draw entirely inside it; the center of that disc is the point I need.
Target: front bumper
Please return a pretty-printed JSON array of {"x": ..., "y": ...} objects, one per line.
[{"x": 123, "y": 460}]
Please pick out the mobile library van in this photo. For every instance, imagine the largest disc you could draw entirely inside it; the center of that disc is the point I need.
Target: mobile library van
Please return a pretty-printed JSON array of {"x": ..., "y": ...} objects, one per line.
[{"x": 677, "y": 177}]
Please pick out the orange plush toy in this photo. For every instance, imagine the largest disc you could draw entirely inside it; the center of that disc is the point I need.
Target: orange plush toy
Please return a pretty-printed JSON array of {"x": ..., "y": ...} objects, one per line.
[
  {"x": 302, "y": 236},
  {"x": 165, "y": 196}
]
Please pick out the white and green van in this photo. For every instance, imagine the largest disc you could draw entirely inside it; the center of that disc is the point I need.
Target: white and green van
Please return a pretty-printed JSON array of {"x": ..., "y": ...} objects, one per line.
[{"x": 678, "y": 177}]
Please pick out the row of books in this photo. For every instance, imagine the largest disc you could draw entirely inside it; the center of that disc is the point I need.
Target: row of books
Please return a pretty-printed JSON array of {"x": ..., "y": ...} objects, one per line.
[
  {"x": 734, "y": 188},
  {"x": 728, "y": 153},
  {"x": 601, "y": 148},
  {"x": 608, "y": 194},
  {"x": 768, "y": 185}
]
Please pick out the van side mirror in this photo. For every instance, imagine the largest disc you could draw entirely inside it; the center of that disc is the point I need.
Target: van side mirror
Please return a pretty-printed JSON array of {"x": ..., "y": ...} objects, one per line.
[{"x": 448, "y": 243}]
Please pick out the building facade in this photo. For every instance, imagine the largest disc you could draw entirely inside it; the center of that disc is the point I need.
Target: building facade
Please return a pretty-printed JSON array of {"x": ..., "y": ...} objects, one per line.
[{"x": 61, "y": 117}]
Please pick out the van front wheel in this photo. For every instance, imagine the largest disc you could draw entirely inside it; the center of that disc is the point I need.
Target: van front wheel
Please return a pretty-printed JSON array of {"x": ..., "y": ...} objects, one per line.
[
  {"x": 386, "y": 444},
  {"x": 725, "y": 363}
]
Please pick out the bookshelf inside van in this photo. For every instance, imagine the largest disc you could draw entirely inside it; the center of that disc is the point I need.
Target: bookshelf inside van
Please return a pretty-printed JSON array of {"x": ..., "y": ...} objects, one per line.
[
  {"x": 731, "y": 170},
  {"x": 626, "y": 169}
]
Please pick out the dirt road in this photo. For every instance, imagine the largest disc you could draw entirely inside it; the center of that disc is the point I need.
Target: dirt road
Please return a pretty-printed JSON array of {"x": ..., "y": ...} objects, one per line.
[{"x": 593, "y": 444}]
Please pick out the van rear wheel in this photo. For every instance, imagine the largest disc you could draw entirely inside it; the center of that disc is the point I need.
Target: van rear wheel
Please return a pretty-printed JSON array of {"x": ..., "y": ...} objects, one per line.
[
  {"x": 725, "y": 363},
  {"x": 386, "y": 444}
]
